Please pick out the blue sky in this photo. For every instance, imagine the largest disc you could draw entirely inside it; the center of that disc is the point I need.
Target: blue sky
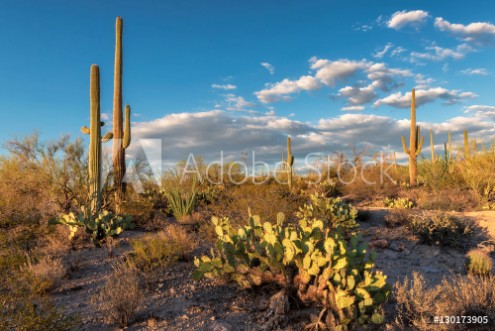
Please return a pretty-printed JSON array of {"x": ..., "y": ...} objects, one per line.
[{"x": 333, "y": 73}]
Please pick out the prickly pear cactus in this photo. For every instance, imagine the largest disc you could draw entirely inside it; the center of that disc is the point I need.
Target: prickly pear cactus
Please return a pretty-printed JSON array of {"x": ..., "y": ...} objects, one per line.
[
  {"x": 100, "y": 226},
  {"x": 311, "y": 258}
]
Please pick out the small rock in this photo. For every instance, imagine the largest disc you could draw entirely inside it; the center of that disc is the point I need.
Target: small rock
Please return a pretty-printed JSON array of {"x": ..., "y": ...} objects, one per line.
[
  {"x": 379, "y": 243},
  {"x": 221, "y": 326}
]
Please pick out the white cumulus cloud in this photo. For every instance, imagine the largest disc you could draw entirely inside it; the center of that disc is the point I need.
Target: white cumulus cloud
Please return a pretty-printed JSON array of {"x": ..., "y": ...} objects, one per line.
[
  {"x": 478, "y": 32},
  {"x": 449, "y": 97},
  {"x": 404, "y": 18}
]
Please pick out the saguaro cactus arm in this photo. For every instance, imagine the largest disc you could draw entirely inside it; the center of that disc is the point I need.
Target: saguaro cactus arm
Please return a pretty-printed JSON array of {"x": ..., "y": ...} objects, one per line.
[
  {"x": 404, "y": 145},
  {"x": 419, "y": 141},
  {"x": 127, "y": 127},
  {"x": 107, "y": 137}
]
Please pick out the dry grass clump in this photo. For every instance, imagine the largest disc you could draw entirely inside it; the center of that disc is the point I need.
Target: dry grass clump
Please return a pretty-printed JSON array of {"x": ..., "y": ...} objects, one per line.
[
  {"x": 265, "y": 200},
  {"x": 47, "y": 273},
  {"x": 120, "y": 297},
  {"x": 459, "y": 296},
  {"x": 478, "y": 262},
  {"x": 160, "y": 250},
  {"x": 415, "y": 302}
]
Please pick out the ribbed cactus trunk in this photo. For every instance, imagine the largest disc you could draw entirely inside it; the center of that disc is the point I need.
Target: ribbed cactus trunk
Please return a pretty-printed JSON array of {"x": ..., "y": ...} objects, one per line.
[
  {"x": 121, "y": 136},
  {"x": 415, "y": 143},
  {"x": 94, "y": 140},
  {"x": 290, "y": 162}
]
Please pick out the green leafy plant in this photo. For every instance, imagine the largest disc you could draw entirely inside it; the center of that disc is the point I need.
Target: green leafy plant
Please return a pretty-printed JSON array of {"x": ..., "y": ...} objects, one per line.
[
  {"x": 182, "y": 200},
  {"x": 333, "y": 211},
  {"x": 400, "y": 203},
  {"x": 310, "y": 259},
  {"x": 478, "y": 262},
  {"x": 100, "y": 226}
]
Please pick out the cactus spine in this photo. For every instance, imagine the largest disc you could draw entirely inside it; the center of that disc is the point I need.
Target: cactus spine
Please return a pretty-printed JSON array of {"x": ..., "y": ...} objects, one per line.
[
  {"x": 121, "y": 134},
  {"x": 415, "y": 143},
  {"x": 290, "y": 162},
  {"x": 95, "y": 140}
]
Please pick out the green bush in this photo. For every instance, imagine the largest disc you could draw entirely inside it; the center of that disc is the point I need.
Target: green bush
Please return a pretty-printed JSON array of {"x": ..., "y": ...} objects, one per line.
[{"x": 307, "y": 258}]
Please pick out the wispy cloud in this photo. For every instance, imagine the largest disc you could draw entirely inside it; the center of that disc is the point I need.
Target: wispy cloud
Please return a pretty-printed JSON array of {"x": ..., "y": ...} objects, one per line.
[
  {"x": 437, "y": 53},
  {"x": 404, "y": 18},
  {"x": 269, "y": 67},
  {"x": 352, "y": 108},
  {"x": 475, "y": 71},
  {"x": 380, "y": 54},
  {"x": 224, "y": 86}
]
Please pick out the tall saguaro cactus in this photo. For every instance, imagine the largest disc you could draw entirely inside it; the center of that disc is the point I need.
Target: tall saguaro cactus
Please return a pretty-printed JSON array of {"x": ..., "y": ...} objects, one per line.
[
  {"x": 467, "y": 151},
  {"x": 122, "y": 137},
  {"x": 432, "y": 147},
  {"x": 290, "y": 162},
  {"x": 95, "y": 140},
  {"x": 415, "y": 143}
]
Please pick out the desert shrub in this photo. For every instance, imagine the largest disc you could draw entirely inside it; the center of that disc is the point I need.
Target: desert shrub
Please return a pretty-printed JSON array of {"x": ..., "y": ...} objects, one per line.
[
  {"x": 399, "y": 203},
  {"x": 47, "y": 273},
  {"x": 469, "y": 296},
  {"x": 38, "y": 181},
  {"x": 478, "y": 179},
  {"x": 321, "y": 266},
  {"x": 23, "y": 313},
  {"x": 439, "y": 174},
  {"x": 182, "y": 195},
  {"x": 448, "y": 199},
  {"x": 120, "y": 297},
  {"x": 441, "y": 230},
  {"x": 478, "y": 262},
  {"x": 266, "y": 200},
  {"x": 160, "y": 250},
  {"x": 22, "y": 305},
  {"x": 397, "y": 218},
  {"x": 417, "y": 305},
  {"x": 333, "y": 211},
  {"x": 101, "y": 226}
]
